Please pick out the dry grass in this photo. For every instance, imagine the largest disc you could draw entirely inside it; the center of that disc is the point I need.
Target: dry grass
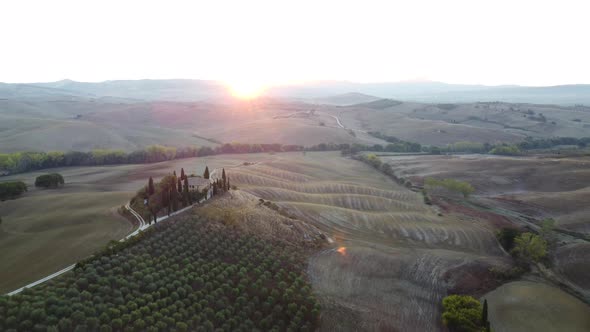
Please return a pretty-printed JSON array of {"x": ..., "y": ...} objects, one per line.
[
  {"x": 430, "y": 124},
  {"x": 244, "y": 211},
  {"x": 540, "y": 186},
  {"x": 46, "y": 231},
  {"x": 530, "y": 306},
  {"x": 399, "y": 254}
]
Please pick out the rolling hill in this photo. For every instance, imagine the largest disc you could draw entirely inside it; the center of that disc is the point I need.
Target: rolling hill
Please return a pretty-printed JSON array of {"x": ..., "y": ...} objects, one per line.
[{"x": 330, "y": 92}]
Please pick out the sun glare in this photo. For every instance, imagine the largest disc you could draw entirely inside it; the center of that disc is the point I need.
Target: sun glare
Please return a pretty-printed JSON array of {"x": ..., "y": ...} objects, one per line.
[{"x": 246, "y": 90}]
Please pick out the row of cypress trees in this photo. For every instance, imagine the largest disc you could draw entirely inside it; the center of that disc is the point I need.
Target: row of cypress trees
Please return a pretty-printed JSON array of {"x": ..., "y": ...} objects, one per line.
[{"x": 172, "y": 190}]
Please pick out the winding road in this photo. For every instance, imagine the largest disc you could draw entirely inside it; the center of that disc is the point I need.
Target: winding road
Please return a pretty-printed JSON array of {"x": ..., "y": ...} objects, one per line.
[{"x": 340, "y": 123}]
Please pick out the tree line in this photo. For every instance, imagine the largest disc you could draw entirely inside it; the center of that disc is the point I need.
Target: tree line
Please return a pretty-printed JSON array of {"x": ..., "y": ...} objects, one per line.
[
  {"x": 498, "y": 148},
  {"x": 19, "y": 162}
]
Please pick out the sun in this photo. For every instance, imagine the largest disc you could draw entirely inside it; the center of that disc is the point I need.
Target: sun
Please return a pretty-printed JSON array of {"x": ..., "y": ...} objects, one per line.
[{"x": 246, "y": 89}]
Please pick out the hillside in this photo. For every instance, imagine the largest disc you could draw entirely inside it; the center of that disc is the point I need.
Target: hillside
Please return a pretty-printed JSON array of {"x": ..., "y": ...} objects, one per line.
[
  {"x": 121, "y": 115},
  {"x": 330, "y": 92},
  {"x": 438, "y": 92},
  {"x": 345, "y": 99},
  {"x": 50, "y": 124}
]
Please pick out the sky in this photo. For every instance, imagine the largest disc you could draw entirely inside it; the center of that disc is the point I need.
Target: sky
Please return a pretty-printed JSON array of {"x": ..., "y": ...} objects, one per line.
[{"x": 260, "y": 43}]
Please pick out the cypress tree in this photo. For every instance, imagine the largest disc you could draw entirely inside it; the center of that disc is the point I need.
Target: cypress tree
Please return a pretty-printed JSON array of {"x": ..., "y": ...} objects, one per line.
[
  {"x": 179, "y": 185},
  {"x": 169, "y": 200},
  {"x": 174, "y": 173},
  {"x": 484, "y": 315},
  {"x": 151, "y": 189},
  {"x": 228, "y": 186},
  {"x": 187, "y": 195},
  {"x": 224, "y": 179},
  {"x": 206, "y": 174},
  {"x": 182, "y": 175},
  {"x": 173, "y": 184}
]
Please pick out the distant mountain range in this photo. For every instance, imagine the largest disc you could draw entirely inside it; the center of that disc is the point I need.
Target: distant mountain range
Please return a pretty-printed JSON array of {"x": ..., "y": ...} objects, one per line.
[{"x": 329, "y": 92}]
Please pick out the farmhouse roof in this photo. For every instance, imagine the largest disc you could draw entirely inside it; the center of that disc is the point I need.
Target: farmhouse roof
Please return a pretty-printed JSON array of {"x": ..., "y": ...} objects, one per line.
[{"x": 198, "y": 181}]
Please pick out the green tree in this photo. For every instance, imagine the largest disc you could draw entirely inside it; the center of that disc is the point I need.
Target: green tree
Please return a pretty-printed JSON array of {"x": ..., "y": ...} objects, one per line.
[
  {"x": 182, "y": 175},
  {"x": 484, "y": 315},
  {"x": 530, "y": 247},
  {"x": 506, "y": 237},
  {"x": 462, "y": 313},
  {"x": 463, "y": 187},
  {"x": 223, "y": 177},
  {"x": 151, "y": 189},
  {"x": 186, "y": 192},
  {"x": 12, "y": 189},
  {"x": 506, "y": 150},
  {"x": 206, "y": 173},
  {"x": 152, "y": 203},
  {"x": 547, "y": 228},
  {"x": 52, "y": 180}
]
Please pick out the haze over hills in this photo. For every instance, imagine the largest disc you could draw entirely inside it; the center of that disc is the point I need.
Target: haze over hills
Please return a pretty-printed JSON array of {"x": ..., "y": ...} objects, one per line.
[
  {"x": 130, "y": 115},
  {"x": 316, "y": 92}
]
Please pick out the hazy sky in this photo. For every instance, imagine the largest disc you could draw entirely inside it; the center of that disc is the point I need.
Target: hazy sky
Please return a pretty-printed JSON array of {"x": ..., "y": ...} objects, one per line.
[{"x": 260, "y": 42}]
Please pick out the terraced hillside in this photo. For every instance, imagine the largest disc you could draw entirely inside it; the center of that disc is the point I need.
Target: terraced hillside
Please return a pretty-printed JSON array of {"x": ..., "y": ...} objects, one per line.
[
  {"x": 521, "y": 192},
  {"x": 393, "y": 257}
]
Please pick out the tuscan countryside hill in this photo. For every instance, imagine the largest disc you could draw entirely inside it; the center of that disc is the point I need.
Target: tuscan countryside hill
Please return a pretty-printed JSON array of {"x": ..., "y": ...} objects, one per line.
[
  {"x": 294, "y": 166},
  {"x": 130, "y": 115}
]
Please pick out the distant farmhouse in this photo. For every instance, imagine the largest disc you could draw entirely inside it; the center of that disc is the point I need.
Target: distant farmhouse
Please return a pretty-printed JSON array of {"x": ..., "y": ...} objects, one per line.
[{"x": 198, "y": 183}]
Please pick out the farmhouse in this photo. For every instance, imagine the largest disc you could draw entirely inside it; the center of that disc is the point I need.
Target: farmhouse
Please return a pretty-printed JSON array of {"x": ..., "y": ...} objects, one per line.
[{"x": 198, "y": 183}]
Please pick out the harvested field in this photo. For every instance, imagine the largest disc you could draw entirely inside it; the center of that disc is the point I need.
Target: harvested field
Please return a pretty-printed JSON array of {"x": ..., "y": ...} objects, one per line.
[
  {"x": 393, "y": 257},
  {"x": 542, "y": 187},
  {"x": 521, "y": 192},
  {"x": 532, "y": 306},
  {"x": 389, "y": 258},
  {"x": 573, "y": 262}
]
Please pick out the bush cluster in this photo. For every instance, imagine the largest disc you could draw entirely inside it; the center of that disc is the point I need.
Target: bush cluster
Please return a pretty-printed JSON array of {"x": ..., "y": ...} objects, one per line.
[
  {"x": 463, "y": 187},
  {"x": 12, "y": 189},
  {"x": 463, "y": 313},
  {"x": 506, "y": 150},
  {"x": 52, "y": 180},
  {"x": 184, "y": 275}
]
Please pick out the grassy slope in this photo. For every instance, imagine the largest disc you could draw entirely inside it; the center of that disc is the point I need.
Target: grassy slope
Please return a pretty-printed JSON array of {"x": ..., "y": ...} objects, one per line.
[
  {"x": 57, "y": 230},
  {"x": 400, "y": 258},
  {"x": 524, "y": 187},
  {"x": 522, "y": 306},
  {"x": 555, "y": 187},
  {"x": 46, "y": 230},
  {"x": 429, "y": 124},
  {"x": 47, "y": 124}
]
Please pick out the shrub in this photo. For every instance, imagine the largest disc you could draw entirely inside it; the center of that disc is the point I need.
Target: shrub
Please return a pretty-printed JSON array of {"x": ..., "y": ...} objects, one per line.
[
  {"x": 462, "y": 313},
  {"x": 463, "y": 187},
  {"x": 506, "y": 237},
  {"x": 530, "y": 247},
  {"x": 52, "y": 180},
  {"x": 12, "y": 189},
  {"x": 506, "y": 150}
]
